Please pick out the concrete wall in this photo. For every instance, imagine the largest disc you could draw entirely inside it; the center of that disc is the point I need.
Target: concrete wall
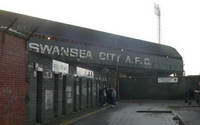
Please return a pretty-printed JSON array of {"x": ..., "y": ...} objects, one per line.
[
  {"x": 13, "y": 85},
  {"x": 148, "y": 88}
]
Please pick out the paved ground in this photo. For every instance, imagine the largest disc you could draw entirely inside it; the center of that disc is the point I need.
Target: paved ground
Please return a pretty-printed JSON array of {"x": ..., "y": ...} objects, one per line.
[
  {"x": 125, "y": 113},
  {"x": 189, "y": 114}
]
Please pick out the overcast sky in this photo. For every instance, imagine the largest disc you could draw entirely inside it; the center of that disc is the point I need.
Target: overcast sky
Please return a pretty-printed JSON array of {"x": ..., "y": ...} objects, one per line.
[{"x": 180, "y": 20}]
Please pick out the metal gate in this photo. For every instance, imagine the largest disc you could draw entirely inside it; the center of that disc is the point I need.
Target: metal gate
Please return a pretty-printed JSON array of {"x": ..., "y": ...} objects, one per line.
[
  {"x": 39, "y": 97},
  {"x": 75, "y": 95},
  {"x": 56, "y": 78},
  {"x": 64, "y": 95}
]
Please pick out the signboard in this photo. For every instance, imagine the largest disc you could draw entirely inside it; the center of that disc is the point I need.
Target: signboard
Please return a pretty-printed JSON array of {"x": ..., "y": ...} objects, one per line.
[
  {"x": 84, "y": 72},
  {"x": 60, "y": 67},
  {"x": 167, "y": 79},
  {"x": 84, "y": 53}
]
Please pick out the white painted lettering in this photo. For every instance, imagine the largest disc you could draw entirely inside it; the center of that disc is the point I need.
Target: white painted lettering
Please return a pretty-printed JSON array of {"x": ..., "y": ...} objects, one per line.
[
  {"x": 86, "y": 54},
  {"x": 137, "y": 60},
  {"x": 102, "y": 55},
  {"x": 112, "y": 56},
  {"x": 74, "y": 52},
  {"x": 64, "y": 51},
  {"x": 44, "y": 48},
  {"x": 107, "y": 56},
  {"x": 128, "y": 59},
  {"x": 118, "y": 58},
  {"x": 82, "y": 54},
  {"x": 56, "y": 50},
  {"x": 147, "y": 61},
  {"x": 89, "y": 54},
  {"x": 34, "y": 47}
]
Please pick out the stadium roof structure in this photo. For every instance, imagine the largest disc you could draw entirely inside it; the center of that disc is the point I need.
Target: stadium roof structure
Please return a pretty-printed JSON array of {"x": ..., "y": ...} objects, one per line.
[{"x": 63, "y": 32}]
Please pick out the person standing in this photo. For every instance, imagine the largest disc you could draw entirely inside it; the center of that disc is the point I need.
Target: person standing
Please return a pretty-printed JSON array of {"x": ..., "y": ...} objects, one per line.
[
  {"x": 196, "y": 95},
  {"x": 104, "y": 96},
  {"x": 101, "y": 96},
  {"x": 114, "y": 96},
  {"x": 189, "y": 95}
]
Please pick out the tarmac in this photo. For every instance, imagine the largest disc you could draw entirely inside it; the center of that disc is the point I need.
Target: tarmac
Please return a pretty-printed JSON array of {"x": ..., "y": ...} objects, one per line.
[{"x": 144, "y": 112}]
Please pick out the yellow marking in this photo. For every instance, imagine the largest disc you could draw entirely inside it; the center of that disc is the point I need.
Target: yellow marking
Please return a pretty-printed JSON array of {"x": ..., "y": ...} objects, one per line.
[{"x": 68, "y": 122}]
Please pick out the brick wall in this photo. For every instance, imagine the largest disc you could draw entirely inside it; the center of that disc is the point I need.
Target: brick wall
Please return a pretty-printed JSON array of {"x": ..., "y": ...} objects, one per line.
[{"x": 13, "y": 86}]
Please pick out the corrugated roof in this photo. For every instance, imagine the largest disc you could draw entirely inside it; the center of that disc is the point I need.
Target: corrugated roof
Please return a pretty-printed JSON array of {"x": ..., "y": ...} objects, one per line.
[{"x": 27, "y": 24}]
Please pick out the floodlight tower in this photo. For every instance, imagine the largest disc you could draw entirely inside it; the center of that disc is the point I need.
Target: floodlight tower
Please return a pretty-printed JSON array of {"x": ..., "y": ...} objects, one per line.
[{"x": 158, "y": 14}]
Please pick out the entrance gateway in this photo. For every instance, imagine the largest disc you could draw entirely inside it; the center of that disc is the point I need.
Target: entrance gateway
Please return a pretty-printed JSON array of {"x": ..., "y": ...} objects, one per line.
[{"x": 130, "y": 72}]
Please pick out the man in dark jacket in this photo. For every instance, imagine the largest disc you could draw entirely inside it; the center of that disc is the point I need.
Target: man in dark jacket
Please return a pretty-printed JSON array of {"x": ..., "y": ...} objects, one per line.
[
  {"x": 197, "y": 95},
  {"x": 189, "y": 95},
  {"x": 101, "y": 96}
]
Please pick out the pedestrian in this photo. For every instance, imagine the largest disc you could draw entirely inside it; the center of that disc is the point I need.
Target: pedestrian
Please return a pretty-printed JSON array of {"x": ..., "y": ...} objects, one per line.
[
  {"x": 110, "y": 95},
  {"x": 101, "y": 96},
  {"x": 104, "y": 96},
  {"x": 196, "y": 95},
  {"x": 114, "y": 95},
  {"x": 189, "y": 95}
]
